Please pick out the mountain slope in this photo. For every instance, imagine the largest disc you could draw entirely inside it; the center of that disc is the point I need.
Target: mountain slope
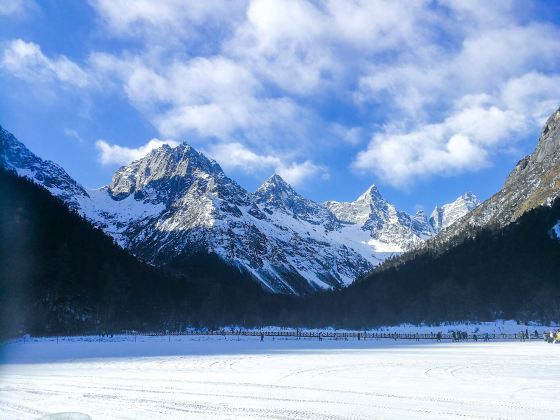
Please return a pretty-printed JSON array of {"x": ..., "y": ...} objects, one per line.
[
  {"x": 175, "y": 202},
  {"x": 509, "y": 273},
  {"x": 501, "y": 260},
  {"x": 14, "y": 156},
  {"x": 535, "y": 181},
  {"x": 190, "y": 205},
  {"x": 60, "y": 275}
]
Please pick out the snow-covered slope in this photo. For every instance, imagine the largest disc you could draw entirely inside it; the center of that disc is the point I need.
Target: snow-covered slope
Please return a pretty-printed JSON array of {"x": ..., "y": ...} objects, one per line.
[
  {"x": 386, "y": 227},
  {"x": 14, "y": 156},
  {"x": 276, "y": 195},
  {"x": 444, "y": 216},
  {"x": 175, "y": 202}
]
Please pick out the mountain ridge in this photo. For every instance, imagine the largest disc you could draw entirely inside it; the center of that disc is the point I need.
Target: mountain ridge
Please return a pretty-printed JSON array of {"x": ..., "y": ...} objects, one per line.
[
  {"x": 175, "y": 201},
  {"x": 533, "y": 182}
]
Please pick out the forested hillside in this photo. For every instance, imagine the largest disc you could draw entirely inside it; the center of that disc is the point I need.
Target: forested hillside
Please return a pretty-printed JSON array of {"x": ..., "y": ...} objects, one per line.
[
  {"x": 512, "y": 273},
  {"x": 61, "y": 275},
  {"x": 58, "y": 274}
]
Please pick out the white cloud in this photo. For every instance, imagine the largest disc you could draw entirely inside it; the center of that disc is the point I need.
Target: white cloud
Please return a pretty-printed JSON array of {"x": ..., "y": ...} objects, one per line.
[
  {"x": 438, "y": 87},
  {"x": 115, "y": 154},
  {"x": 297, "y": 173},
  {"x": 465, "y": 140},
  {"x": 184, "y": 22},
  {"x": 235, "y": 156},
  {"x": 455, "y": 110},
  {"x": 312, "y": 47},
  {"x": 26, "y": 61},
  {"x": 207, "y": 97},
  {"x": 16, "y": 8}
]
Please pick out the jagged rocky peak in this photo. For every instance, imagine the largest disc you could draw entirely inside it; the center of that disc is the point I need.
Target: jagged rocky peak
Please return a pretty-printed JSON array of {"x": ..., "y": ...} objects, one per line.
[
  {"x": 420, "y": 215},
  {"x": 165, "y": 174},
  {"x": 277, "y": 194},
  {"x": 359, "y": 211},
  {"x": 444, "y": 216},
  {"x": 15, "y": 157},
  {"x": 275, "y": 188},
  {"x": 372, "y": 194},
  {"x": 549, "y": 142}
]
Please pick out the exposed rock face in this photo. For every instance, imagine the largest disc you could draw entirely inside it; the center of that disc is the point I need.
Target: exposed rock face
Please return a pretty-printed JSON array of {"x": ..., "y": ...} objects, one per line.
[
  {"x": 535, "y": 181},
  {"x": 176, "y": 201},
  {"x": 16, "y": 157},
  {"x": 446, "y": 215},
  {"x": 392, "y": 229},
  {"x": 276, "y": 235},
  {"x": 276, "y": 194}
]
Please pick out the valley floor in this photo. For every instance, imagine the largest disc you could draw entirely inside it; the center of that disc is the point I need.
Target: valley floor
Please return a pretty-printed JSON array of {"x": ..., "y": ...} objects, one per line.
[{"x": 213, "y": 377}]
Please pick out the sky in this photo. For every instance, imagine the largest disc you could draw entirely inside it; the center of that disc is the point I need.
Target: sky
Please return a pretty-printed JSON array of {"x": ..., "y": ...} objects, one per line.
[{"x": 425, "y": 99}]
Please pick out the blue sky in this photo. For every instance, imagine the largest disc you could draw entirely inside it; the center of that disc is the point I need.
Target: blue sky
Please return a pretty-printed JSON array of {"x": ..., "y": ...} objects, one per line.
[{"x": 426, "y": 99}]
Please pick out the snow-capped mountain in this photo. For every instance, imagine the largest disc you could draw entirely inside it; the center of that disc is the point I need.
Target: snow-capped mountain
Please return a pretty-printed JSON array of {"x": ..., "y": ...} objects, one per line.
[
  {"x": 388, "y": 228},
  {"x": 444, "y": 216},
  {"x": 175, "y": 202},
  {"x": 277, "y": 195},
  {"x": 16, "y": 157}
]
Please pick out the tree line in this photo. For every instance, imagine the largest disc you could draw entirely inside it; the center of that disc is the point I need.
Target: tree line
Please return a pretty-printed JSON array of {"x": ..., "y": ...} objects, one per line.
[{"x": 61, "y": 275}]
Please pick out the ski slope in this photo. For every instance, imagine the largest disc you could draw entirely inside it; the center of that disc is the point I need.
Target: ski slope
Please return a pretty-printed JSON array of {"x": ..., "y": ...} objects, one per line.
[{"x": 211, "y": 377}]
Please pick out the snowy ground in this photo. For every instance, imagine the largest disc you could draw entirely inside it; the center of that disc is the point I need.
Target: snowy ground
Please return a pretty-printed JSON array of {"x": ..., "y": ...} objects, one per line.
[{"x": 209, "y": 377}]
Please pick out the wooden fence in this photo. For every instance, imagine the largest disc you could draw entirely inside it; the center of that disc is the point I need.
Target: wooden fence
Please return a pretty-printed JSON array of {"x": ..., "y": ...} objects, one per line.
[{"x": 352, "y": 335}]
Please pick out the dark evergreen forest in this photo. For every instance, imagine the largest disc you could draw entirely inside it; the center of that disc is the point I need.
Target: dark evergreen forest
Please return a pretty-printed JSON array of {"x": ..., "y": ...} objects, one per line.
[
  {"x": 510, "y": 273},
  {"x": 60, "y": 275}
]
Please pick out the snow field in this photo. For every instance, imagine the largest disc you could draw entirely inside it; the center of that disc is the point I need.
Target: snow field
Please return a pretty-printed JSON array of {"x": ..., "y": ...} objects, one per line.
[{"x": 210, "y": 377}]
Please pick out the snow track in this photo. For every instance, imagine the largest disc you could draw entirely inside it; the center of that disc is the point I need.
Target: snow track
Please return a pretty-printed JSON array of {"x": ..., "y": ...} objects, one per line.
[{"x": 209, "y": 377}]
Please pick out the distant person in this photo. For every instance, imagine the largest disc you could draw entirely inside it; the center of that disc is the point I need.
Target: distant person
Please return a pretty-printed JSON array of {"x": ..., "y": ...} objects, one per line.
[{"x": 438, "y": 336}]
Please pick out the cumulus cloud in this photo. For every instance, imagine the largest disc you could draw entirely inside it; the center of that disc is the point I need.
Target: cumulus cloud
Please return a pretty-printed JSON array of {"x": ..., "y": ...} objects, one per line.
[
  {"x": 115, "y": 154},
  {"x": 184, "y": 22},
  {"x": 207, "y": 97},
  {"x": 235, "y": 156},
  {"x": 26, "y": 61},
  {"x": 464, "y": 141},
  {"x": 456, "y": 110},
  {"x": 297, "y": 173},
  {"x": 418, "y": 88}
]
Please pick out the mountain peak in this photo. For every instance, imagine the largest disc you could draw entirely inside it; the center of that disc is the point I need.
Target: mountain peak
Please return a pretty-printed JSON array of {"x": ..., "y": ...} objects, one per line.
[
  {"x": 277, "y": 192},
  {"x": 16, "y": 157},
  {"x": 371, "y": 194},
  {"x": 275, "y": 189},
  {"x": 449, "y": 213},
  {"x": 276, "y": 181},
  {"x": 164, "y": 171}
]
